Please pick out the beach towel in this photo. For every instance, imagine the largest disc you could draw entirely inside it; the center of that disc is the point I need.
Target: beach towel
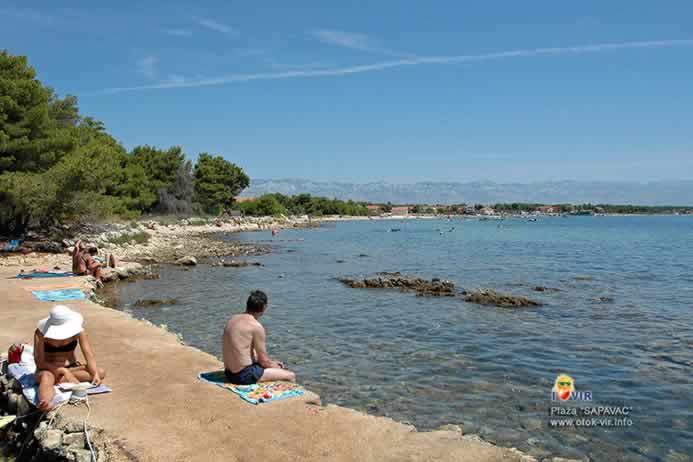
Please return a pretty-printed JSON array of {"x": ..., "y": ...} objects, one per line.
[
  {"x": 257, "y": 393},
  {"x": 25, "y": 373},
  {"x": 12, "y": 245},
  {"x": 26, "y": 377},
  {"x": 45, "y": 274},
  {"x": 59, "y": 295}
]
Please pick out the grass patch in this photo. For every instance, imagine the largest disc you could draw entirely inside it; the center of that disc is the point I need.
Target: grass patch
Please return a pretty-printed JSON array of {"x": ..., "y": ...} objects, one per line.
[
  {"x": 197, "y": 221},
  {"x": 138, "y": 238}
]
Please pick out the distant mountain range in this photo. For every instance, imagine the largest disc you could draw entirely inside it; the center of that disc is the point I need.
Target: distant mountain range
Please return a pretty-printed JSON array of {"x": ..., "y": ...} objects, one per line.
[{"x": 486, "y": 192}]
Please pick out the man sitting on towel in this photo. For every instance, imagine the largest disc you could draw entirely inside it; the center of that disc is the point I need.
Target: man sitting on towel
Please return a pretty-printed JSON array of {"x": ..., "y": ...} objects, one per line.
[{"x": 245, "y": 353}]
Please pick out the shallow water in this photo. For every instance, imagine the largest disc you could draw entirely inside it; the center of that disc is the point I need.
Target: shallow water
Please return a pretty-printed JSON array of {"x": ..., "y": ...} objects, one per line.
[{"x": 432, "y": 361}]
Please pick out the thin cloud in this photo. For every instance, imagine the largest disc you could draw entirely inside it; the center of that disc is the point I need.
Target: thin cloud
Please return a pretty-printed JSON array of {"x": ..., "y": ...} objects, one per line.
[
  {"x": 23, "y": 14},
  {"x": 352, "y": 40},
  {"x": 384, "y": 65},
  {"x": 216, "y": 26},
  {"x": 147, "y": 66},
  {"x": 179, "y": 32}
]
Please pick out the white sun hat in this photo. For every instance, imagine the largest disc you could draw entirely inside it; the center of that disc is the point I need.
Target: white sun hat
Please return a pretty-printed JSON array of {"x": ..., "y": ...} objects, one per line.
[{"x": 62, "y": 323}]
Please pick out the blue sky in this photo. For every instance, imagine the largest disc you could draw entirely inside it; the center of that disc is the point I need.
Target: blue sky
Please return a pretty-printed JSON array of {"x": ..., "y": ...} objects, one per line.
[{"x": 389, "y": 90}]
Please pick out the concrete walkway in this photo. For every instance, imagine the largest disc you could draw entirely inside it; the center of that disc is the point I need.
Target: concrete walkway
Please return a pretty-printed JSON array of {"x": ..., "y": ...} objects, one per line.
[{"x": 159, "y": 411}]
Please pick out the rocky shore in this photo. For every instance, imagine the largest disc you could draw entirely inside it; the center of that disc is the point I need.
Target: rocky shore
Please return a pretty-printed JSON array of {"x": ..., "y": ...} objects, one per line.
[
  {"x": 156, "y": 398},
  {"x": 437, "y": 288},
  {"x": 32, "y": 436}
]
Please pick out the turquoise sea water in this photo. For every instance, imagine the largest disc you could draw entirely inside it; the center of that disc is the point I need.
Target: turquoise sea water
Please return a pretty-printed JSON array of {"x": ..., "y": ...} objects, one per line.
[{"x": 620, "y": 324}]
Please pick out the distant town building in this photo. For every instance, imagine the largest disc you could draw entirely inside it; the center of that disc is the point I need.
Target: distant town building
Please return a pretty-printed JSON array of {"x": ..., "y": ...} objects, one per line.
[
  {"x": 469, "y": 209},
  {"x": 487, "y": 211},
  {"x": 239, "y": 200},
  {"x": 549, "y": 209},
  {"x": 374, "y": 208},
  {"x": 400, "y": 211}
]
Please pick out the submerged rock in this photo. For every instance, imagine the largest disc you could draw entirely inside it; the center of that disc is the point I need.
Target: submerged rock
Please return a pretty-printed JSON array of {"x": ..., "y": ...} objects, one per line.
[
  {"x": 603, "y": 299},
  {"x": 239, "y": 264},
  {"x": 153, "y": 302},
  {"x": 187, "y": 261},
  {"x": 490, "y": 297},
  {"x": 434, "y": 287}
]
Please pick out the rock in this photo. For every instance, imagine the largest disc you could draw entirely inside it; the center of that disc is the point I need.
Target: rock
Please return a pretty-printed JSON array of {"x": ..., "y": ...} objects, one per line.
[
  {"x": 51, "y": 439},
  {"x": 74, "y": 440},
  {"x": 72, "y": 427},
  {"x": 603, "y": 299},
  {"x": 674, "y": 456},
  {"x": 80, "y": 455},
  {"x": 153, "y": 302},
  {"x": 363, "y": 255},
  {"x": 489, "y": 297},
  {"x": 340, "y": 261},
  {"x": 533, "y": 424},
  {"x": 187, "y": 261},
  {"x": 12, "y": 400},
  {"x": 434, "y": 287},
  {"x": 48, "y": 247},
  {"x": 235, "y": 264},
  {"x": 23, "y": 406},
  {"x": 451, "y": 428}
]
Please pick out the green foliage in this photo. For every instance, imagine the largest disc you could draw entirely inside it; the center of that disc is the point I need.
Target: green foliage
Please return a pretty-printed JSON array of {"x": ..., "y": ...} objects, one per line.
[
  {"x": 267, "y": 205},
  {"x": 218, "y": 182},
  {"x": 57, "y": 166},
  {"x": 301, "y": 204}
]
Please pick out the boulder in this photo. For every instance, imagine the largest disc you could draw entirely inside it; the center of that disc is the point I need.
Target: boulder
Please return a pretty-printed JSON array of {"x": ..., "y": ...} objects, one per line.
[
  {"x": 51, "y": 439},
  {"x": 74, "y": 440},
  {"x": 490, "y": 297},
  {"x": 187, "y": 261}
]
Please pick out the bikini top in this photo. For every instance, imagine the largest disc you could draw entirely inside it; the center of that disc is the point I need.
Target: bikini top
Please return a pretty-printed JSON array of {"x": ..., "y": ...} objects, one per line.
[{"x": 67, "y": 348}]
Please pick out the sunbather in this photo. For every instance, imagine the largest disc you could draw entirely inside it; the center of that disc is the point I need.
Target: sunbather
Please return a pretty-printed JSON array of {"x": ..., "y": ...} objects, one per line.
[
  {"x": 55, "y": 344},
  {"x": 245, "y": 353},
  {"x": 85, "y": 260}
]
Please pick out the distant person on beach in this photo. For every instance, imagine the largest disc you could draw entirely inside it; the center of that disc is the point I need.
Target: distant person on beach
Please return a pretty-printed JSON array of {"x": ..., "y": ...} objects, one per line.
[
  {"x": 244, "y": 346},
  {"x": 85, "y": 260},
  {"x": 55, "y": 345}
]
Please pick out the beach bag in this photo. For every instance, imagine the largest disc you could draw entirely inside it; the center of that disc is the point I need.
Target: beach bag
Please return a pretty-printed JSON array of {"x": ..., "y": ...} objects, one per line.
[{"x": 14, "y": 354}]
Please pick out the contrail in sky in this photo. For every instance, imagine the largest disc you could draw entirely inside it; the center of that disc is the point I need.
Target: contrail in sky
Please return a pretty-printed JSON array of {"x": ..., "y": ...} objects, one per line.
[{"x": 414, "y": 61}]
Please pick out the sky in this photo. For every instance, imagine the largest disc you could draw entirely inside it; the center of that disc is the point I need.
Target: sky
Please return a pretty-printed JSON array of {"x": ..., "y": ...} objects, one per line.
[{"x": 395, "y": 91}]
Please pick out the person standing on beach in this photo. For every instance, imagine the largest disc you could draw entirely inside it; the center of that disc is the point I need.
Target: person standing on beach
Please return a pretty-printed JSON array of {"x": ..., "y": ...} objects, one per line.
[{"x": 244, "y": 346}]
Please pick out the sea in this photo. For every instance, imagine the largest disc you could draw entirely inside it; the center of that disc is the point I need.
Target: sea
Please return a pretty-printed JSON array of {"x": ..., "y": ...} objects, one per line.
[{"x": 616, "y": 317}]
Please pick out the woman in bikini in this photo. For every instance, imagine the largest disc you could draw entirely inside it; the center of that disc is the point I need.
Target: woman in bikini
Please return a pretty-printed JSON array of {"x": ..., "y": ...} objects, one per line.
[{"x": 55, "y": 344}]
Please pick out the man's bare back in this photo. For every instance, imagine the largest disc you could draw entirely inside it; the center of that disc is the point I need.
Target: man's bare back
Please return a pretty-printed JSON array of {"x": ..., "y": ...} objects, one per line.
[
  {"x": 238, "y": 341},
  {"x": 244, "y": 347}
]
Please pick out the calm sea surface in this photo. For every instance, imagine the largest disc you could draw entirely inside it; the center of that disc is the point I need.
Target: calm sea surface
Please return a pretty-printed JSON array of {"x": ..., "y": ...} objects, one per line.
[{"x": 620, "y": 324}]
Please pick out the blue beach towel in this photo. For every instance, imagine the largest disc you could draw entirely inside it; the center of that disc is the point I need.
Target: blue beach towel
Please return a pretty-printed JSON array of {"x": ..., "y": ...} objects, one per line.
[
  {"x": 257, "y": 393},
  {"x": 59, "y": 295},
  {"x": 45, "y": 274},
  {"x": 12, "y": 245}
]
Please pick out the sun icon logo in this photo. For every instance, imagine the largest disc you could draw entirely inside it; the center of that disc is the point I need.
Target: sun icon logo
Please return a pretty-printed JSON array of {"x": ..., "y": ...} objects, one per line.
[{"x": 563, "y": 387}]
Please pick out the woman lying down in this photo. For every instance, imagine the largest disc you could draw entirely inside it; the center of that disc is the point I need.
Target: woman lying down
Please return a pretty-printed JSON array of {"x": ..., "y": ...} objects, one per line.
[{"x": 55, "y": 344}]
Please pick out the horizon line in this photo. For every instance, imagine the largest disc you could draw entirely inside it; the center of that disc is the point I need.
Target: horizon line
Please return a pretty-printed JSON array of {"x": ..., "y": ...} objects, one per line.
[{"x": 385, "y": 65}]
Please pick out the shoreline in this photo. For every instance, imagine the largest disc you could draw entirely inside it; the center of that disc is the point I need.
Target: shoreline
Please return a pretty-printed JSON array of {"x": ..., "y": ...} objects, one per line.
[
  {"x": 398, "y": 440},
  {"x": 157, "y": 398}
]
